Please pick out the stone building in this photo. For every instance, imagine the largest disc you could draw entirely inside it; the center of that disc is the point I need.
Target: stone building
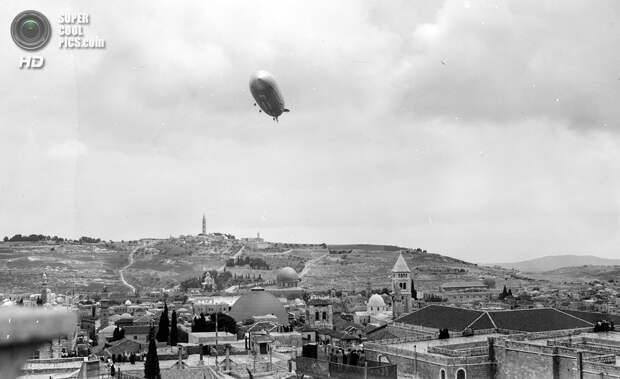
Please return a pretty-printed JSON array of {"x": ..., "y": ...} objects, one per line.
[
  {"x": 320, "y": 313},
  {"x": 531, "y": 343}
]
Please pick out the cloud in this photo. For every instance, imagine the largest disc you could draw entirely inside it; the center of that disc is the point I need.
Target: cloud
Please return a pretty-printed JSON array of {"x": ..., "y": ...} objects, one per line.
[
  {"x": 70, "y": 149},
  {"x": 510, "y": 147},
  {"x": 513, "y": 61}
]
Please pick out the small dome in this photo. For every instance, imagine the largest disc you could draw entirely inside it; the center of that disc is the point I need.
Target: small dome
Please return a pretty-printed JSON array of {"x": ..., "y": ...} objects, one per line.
[
  {"x": 376, "y": 301},
  {"x": 287, "y": 275},
  {"x": 127, "y": 302},
  {"x": 126, "y": 315}
]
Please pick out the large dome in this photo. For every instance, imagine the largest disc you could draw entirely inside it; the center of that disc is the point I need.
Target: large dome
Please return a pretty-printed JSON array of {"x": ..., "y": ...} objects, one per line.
[
  {"x": 287, "y": 275},
  {"x": 257, "y": 302}
]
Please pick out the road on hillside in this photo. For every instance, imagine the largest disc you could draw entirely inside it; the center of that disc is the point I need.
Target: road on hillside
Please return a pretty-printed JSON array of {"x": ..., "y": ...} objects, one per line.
[
  {"x": 122, "y": 270},
  {"x": 311, "y": 263}
]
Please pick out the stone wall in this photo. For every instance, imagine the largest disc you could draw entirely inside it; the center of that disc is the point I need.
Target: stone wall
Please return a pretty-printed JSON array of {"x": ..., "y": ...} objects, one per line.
[
  {"x": 422, "y": 365},
  {"x": 592, "y": 370},
  {"x": 516, "y": 360}
]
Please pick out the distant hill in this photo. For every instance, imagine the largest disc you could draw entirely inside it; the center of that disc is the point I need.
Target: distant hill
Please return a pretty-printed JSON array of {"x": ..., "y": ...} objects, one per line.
[
  {"x": 554, "y": 262},
  {"x": 582, "y": 273},
  {"x": 365, "y": 247}
]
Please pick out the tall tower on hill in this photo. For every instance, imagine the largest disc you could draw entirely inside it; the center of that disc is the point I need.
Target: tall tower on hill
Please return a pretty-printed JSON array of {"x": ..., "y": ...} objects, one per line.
[
  {"x": 204, "y": 224},
  {"x": 401, "y": 287},
  {"x": 44, "y": 288}
]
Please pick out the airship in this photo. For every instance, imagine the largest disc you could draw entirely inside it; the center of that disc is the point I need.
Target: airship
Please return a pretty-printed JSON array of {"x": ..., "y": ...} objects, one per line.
[{"x": 266, "y": 94}]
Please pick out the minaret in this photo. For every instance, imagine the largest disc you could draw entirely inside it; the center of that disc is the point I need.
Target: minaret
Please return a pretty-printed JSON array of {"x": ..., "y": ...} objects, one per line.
[
  {"x": 401, "y": 287},
  {"x": 204, "y": 224},
  {"x": 44, "y": 289}
]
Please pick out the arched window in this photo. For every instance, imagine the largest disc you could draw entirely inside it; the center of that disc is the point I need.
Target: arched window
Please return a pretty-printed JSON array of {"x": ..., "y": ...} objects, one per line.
[
  {"x": 460, "y": 374},
  {"x": 442, "y": 374}
]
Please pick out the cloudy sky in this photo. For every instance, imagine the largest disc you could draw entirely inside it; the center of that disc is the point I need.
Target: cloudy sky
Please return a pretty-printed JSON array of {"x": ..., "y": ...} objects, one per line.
[{"x": 487, "y": 131}]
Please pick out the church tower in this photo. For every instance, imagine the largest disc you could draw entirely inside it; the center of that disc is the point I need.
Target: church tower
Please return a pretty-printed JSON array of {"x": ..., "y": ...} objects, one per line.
[
  {"x": 44, "y": 288},
  {"x": 204, "y": 225},
  {"x": 401, "y": 288}
]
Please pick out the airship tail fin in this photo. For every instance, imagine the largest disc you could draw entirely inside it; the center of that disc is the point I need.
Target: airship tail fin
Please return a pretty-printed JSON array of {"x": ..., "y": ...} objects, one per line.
[{"x": 285, "y": 110}]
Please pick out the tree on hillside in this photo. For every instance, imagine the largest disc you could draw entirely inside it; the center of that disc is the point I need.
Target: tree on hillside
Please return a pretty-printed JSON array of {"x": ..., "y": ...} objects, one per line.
[
  {"x": 164, "y": 324},
  {"x": 174, "y": 335},
  {"x": 151, "y": 366},
  {"x": 414, "y": 293},
  {"x": 504, "y": 293},
  {"x": 6, "y": 239},
  {"x": 489, "y": 282}
]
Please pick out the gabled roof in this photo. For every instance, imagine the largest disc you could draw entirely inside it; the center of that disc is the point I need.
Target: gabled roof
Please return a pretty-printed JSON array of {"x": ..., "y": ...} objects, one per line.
[
  {"x": 439, "y": 317},
  {"x": 123, "y": 345},
  {"x": 525, "y": 320},
  {"x": 593, "y": 316},
  {"x": 536, "y": 320},
  {"x": 401, "y": 264},
  {"x": 483, "y": 322},
  {"x": 380, "y": 333}
]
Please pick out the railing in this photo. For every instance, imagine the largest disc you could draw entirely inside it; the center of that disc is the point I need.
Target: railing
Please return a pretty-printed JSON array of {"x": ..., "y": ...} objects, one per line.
[
  {"x": 469, "y": 352},
  {"x": 325, "y": 369}
]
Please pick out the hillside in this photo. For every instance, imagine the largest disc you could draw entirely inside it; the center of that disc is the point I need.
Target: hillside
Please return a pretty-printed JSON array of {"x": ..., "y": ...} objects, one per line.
[
  {"x": 581, "y": 273},
  {"x": 354, "y": 269},
  {"x": 554, "y": 262},
  {"x": 81, "y": 266},
  {"x": 155, "y": 264}
]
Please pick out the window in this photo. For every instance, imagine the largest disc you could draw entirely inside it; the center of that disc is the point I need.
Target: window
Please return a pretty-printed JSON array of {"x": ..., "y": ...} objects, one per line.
[
  {"x": 442, "y": 374},
  {"x": 404, "y": 286},
  {"x": 324, "y": 315},
  {"x": 316, "y": 315},
  {"x": 135, "y": 337},
  {"x": 460, "y": 374}
]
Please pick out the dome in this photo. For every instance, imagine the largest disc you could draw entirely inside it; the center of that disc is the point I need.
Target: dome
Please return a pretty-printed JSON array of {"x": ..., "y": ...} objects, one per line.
[
  {"x": 376, "y": 303},
  {"x": 127, "y": 302},
  {"x": 257, "y": 302},
  {"x": 108, "y": 331},
  {"x": 287, "y": 275},
  {"x": 126, "y": 315},
  {"x": 299, "y": 302}
]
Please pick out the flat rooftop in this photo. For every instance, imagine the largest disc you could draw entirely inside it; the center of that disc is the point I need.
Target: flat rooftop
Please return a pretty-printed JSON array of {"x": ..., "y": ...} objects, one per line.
[{"x": 423, "y": 346}]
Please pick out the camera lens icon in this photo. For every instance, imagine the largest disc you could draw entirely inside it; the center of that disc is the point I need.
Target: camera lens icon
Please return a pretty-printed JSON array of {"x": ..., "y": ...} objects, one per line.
[{"x": 31, "y": 30}]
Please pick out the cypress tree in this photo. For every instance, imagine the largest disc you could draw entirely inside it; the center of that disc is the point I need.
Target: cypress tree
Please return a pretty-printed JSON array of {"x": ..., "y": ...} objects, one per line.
[
  {"x": 174, "y": 337},
  {"x": 164, "y": 324},
  {"x": 151, "y": 366}
]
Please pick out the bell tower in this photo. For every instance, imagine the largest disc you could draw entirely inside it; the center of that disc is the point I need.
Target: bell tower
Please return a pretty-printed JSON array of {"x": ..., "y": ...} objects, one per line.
[{"x": 401, "y": 287}]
